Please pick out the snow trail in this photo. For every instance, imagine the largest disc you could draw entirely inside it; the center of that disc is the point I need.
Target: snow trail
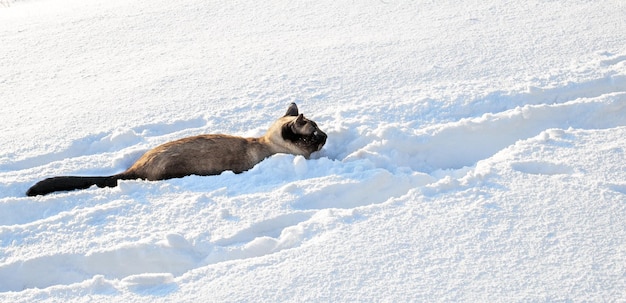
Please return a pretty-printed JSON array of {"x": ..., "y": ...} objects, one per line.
[{"x": 396, "y": 160}]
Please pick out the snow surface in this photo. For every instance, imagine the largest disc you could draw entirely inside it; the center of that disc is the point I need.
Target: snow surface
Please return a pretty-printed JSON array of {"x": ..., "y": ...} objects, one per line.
[{"x": 475, "y": 151}]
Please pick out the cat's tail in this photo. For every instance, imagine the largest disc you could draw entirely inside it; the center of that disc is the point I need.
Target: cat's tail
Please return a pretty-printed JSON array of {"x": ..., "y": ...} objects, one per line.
[{"x": 64, "y": 183}]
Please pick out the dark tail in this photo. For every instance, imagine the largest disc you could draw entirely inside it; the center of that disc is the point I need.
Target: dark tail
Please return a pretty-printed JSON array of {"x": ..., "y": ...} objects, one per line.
[{"x": 64, "y": 183}]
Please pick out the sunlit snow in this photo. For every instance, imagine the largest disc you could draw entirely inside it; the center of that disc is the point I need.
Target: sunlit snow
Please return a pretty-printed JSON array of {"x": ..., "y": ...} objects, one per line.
[{"x": 475, "y": 151}]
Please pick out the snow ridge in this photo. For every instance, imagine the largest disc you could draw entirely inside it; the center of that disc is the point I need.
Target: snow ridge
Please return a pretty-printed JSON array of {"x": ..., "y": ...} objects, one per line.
[{"x": 396, "y": 160}]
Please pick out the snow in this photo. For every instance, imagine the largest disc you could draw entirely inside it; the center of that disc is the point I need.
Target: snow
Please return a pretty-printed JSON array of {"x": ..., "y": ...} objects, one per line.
[{"x": 475, "y": 151}]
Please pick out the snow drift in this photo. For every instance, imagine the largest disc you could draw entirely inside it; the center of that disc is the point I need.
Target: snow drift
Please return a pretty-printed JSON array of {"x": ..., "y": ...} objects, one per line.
[{"x": 475, "y": 151}]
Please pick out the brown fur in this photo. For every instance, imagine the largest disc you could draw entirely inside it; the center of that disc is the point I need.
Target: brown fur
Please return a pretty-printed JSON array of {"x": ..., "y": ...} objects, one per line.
[{"x": 206, "y": 155}]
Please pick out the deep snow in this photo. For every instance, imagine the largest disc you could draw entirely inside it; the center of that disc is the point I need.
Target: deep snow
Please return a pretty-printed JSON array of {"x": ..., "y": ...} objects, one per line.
[{"x": 475, "y": 152}]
